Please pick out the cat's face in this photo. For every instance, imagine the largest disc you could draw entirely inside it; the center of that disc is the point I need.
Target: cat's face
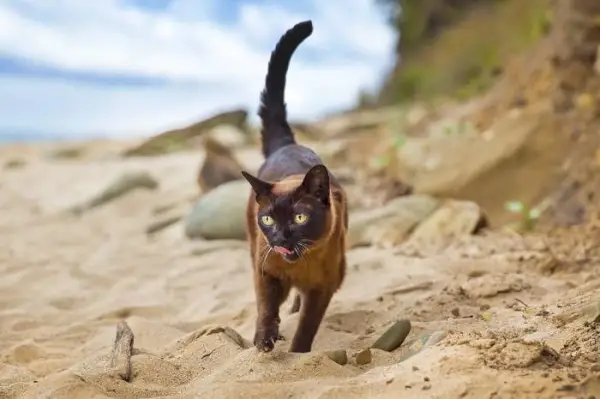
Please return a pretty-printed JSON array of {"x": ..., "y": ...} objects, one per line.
[{"x": 293, "y": 221}]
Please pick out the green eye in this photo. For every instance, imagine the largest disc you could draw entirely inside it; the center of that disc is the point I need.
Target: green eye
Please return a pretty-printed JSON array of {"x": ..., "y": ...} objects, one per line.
[
  {"x": 300, "y": 218},
  {"x": 267, "y": 220}
]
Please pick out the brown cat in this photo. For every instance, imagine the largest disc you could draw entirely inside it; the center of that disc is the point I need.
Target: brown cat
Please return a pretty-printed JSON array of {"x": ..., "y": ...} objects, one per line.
[{"x": 296, "y": 217}]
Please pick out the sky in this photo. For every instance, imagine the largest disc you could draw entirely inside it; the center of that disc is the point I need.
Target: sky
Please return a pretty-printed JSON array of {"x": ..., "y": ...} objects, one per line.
[{"x": 123, "y": 68}]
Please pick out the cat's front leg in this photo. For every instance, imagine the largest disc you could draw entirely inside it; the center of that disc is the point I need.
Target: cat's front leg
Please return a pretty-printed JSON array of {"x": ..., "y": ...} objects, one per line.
[
  {"x": 315, "y": 303},
  {"x": 271, "y": 292}
]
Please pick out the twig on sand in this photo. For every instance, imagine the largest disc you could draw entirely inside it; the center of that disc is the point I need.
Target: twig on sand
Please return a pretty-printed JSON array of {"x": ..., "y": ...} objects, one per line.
[{"x": 522, "y": 303}]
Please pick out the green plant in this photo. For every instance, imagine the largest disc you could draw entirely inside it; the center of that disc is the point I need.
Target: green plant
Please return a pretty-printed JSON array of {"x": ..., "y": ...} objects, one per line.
[{"x": 529, "y": 215}]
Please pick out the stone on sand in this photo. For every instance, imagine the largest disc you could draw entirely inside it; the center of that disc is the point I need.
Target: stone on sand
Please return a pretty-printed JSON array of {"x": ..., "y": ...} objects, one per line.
[
  {"x": 339, "y": 356},
  {"x": 122, "y": 351},
  {"x": 15, "y": 163},
  {"x": 162, "y": 224},
  {"x": 392, "y": 222},
  {"x": 452, "y": 220},
  {"x": 228, "y": 135},
  {"x": 363, "y": 357},
  {"x": 423, "y": 341},
  {"x": 122, "y": 185},
  {"x": 394, "y": 336},
  {"x": 219, "y": 165},
  {"x": 220, "y": 214},
  {"x": 179, "y": 139}
]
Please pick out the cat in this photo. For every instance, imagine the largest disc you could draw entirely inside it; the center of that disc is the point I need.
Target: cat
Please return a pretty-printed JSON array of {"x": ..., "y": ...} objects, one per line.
[{"x": 296, "y": 219}]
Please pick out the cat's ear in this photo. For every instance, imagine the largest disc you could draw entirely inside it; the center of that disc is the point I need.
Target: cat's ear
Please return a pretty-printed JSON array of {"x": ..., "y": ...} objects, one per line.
[
  {"x": 261, "y": 188},
  {"x": 316, "y": 183}
]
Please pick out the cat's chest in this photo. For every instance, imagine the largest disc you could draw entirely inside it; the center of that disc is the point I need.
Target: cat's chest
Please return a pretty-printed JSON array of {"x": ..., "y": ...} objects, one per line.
[{"x": 304, "y": 274}]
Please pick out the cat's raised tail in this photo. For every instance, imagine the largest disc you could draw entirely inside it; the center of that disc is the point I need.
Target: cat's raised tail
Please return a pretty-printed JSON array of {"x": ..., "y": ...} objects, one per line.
[{"x": 276, "y": 131}]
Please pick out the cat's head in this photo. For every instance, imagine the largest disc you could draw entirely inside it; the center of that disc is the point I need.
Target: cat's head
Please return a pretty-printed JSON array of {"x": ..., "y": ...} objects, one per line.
[{"x": 293, "y": 217}]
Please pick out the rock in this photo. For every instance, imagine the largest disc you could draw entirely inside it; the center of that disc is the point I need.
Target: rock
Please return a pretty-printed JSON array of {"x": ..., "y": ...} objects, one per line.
[
  {"x": 393, "y": 337},
  {"x": 452, "y": 220},
  {"x": 219, "y": 166},
  {"x": 436, "y": 160},
  {"x": 179, "y": 139},
  {"x": 424, "y": 341},
  {"x": 229, "y": 136},
  {"x": 392, "y": 222},
  {"x": 339, "y": 356},
  {"x": 16, "y": 163},
  {"x": 491, "y": 285},
  {"x": 220, "y": 214},
  {"x": 357, "y": 121},
  {"x": 159, "y": 225},
  {"x": 122, "y": 350},
  {"x": 160, "y": 209},
  {"x": 592, "y": 312},
  {"x": 587, "y": 311},
  {"x": 121, "y": 186},
  {"x": 306, "y": 131},
  {"x": 67, "y": 153},
  {"x": 363, "y": 357}
]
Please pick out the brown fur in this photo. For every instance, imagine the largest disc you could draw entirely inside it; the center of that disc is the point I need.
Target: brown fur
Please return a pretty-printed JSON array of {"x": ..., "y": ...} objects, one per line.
[
  {"x": 308, "y": 255},
  {"x": 317, "y": 276}
]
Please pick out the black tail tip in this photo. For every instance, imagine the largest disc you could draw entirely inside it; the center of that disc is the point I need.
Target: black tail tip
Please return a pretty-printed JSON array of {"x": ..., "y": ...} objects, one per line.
[{"x": 306, "y": 27}]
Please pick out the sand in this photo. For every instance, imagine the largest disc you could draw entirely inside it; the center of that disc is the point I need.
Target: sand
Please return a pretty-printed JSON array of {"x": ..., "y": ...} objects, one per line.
[{"x": 512, "y": 329}]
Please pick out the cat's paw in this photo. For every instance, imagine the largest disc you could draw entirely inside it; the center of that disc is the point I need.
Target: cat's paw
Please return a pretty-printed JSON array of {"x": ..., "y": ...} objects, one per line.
[{"x": 265, "y": 340}]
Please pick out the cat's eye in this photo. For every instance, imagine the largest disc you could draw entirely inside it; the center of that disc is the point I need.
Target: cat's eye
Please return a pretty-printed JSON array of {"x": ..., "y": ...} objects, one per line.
[
  {"x": 267, "y": 220},
  {"x": 300, "y": 218}
]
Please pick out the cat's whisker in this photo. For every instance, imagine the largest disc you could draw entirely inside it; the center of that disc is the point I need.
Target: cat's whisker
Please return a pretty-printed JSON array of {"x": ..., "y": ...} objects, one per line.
[
  {"x": 265, "y": 254},
  {"x": 265, "y": 259}
]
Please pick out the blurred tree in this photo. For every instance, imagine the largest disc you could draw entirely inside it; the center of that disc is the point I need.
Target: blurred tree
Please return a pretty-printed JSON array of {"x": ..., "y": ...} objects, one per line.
[
  {"x": 422, "y": 20},
  {"x": 457, "y": 47}
]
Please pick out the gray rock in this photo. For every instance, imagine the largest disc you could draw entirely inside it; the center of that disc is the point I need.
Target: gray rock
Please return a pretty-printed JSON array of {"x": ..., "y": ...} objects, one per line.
[
  {"x": 229, "y": 135},
  {"x": 363, "y": 357},
  {"x": 423, "y": 341},
  {"x": 67, "y": 153},
  {"x": 16, "y": 163},
  {"x": 452, "y": 220},
  {"x": 394, "y": 336},
  {"x": 220, "y": 214},
  {"x": 339, "y": 356},
  {"x": 180, "y": 139},
  {"x": 162, "y": 224},
  {"x": 121, "y": 186},
  {"x": 390, "y": 223}
]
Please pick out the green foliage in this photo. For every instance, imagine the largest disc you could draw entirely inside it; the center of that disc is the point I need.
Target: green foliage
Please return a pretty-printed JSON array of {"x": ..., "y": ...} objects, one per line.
[
  {"x": 458, "y": 47},
  {"x": 528, "y": 215}
]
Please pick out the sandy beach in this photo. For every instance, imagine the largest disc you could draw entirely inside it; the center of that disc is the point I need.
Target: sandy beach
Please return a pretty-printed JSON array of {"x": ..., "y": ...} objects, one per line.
[{"x": 507, "y": 325}]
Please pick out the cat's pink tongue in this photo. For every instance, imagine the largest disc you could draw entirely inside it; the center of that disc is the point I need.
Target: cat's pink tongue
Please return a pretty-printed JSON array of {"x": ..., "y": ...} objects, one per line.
[{"x": 282, "y": 250}]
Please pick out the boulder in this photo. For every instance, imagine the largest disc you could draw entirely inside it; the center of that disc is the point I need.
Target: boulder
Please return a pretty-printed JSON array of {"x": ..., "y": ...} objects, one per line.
[
  {"x": 391, "y": 223},
  {"x": 218, "y": 167},
  {"x": 220, "y": 214},
  {"x": 452, "y": 220},
  {"x": 120, "y": 186},
  {"x": 179, "y": 139}
]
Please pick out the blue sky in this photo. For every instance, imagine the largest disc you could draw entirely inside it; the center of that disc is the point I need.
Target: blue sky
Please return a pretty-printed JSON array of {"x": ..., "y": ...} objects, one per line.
[{"x": 136, "y": 67}]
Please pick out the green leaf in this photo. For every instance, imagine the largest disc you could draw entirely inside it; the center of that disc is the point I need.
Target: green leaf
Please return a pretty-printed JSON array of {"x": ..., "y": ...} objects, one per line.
[{"x": 514, "y": 206}]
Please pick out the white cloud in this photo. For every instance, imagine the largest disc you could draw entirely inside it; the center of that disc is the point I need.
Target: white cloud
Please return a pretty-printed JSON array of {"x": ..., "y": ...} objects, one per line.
[{"x": 208, "y": 65}]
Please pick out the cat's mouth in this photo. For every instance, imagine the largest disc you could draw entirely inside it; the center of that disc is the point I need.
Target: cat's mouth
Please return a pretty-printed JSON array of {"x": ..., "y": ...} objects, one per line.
[{"x": 289, "y": 255}]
